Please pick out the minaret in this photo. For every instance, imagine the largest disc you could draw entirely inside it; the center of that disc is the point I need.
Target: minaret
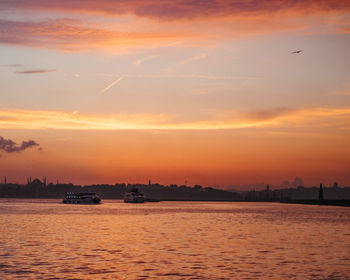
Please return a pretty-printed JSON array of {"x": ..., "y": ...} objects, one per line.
[
  {"x": 320, "y": 194},
  {"x": 149, "y": 182},
  {"x": 5, "y": 181}
]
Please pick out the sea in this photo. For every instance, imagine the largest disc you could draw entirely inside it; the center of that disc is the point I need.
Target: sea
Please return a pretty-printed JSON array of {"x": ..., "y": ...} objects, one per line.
[{"x": 45, "y": 239}]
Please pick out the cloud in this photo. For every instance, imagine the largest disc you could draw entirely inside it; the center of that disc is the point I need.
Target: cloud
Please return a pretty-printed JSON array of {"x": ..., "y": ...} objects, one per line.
[
  {"x": 268, "y": 114},
  {"x": 157, "y": 23},
  {"x": 193, "y": 58},
  {"x": 298, "y": 182},
  {"x": 344, "y": 30},
  {"x": 111, "y": 85},
  {"x": 178, "y": 9},
  {"x": 294, "y": 184},
  {"x": 14, "y": 65},
  {"x": 188, "y": 76},
  {"x": 36, "y": 71},
  {"x": 10, "y": 146},
  {"x": 338, "y": 118},
  {"x": 76, "y": 35},
  {"x": 144, "y": 59}
]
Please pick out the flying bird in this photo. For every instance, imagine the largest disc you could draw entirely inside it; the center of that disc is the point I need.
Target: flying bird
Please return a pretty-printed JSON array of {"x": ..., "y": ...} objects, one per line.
[{"x": 298, "y": 51}]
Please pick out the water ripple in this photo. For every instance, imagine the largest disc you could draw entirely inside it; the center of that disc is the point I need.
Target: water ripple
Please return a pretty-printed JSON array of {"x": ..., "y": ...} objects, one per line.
[{"x": 175, "y": 240}]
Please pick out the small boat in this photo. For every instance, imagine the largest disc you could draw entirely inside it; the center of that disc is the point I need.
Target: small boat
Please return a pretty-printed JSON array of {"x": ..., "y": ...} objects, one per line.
[
  {"x": 134, "y": 196},
  {"x": 81, "y": 198}
]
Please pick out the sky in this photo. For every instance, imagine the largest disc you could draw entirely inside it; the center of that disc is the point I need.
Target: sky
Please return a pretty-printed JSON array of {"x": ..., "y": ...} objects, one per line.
[{"x": 179, "y": 92}]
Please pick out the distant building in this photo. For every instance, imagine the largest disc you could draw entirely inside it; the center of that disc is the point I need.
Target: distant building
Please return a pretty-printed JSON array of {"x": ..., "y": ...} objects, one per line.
[
  {"x": 36, "y": 182},
  {"x": 320, "y": 193},
  {"x": 268, "y": 192}
]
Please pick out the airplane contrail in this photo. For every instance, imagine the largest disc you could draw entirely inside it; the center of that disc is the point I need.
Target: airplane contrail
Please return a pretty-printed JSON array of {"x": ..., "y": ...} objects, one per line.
[{"x": 111, "y": 85}]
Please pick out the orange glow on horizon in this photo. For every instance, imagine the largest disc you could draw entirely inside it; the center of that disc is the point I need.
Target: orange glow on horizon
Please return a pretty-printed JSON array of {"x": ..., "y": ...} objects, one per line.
[{"x": 39, "y": 119}]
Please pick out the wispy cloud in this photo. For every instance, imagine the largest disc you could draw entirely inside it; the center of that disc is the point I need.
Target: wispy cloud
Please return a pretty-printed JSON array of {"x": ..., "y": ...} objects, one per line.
[
  {"x": 14, "y": 65},
  {"x": 76, "y": 35},
  {"x": 196, "y": 57},
  {"x": 111, "y": 85},
  {"x": 275, "y": 118},
  {"x": 162, "y": 23},
  {"x": 9, "y": 146},
  {"x": 269, "y": 114},
  {"x": 140, "y": 61},
  {"x": 36, "y": 71},
  {"x": 180, "y": 76}
]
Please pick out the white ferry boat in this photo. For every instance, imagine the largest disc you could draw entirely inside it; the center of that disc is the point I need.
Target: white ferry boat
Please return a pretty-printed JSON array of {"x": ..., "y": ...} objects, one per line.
[
  {"x": 81, "y": 198},
  {"x": 134, "y": 196}
]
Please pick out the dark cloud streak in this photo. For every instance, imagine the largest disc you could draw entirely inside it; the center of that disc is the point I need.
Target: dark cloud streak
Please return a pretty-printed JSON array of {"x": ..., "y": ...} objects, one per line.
[
  {"x": 10, "y": 146},
  {"x": 14, "y": 65},
  {"x": 36, "y": 71},
  {"x": 263, "y": 115}
]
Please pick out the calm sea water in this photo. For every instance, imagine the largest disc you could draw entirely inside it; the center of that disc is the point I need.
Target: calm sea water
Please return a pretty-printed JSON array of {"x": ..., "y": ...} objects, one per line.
[{"x": 43, "y": 239}]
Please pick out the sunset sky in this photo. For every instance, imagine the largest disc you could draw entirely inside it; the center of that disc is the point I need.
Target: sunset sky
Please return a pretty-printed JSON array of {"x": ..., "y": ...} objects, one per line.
[{"x": 197, "y": 92}]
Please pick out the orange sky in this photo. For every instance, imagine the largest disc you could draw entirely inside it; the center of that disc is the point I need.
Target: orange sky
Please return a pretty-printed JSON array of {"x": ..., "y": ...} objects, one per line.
[{"x": 202, "y": 92}]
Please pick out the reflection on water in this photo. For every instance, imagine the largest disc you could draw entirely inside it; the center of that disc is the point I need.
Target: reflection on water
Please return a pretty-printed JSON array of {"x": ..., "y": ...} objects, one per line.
[{"x": 43, "y": 239}]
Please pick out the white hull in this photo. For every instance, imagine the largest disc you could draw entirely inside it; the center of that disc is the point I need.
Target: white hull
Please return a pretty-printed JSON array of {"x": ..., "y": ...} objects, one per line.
[
  {"x": 134, "y": 197},
  {"x": 81, "y": 198}
]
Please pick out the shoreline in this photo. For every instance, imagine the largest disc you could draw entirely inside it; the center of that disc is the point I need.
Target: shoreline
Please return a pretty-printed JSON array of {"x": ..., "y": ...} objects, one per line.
[{"x": 343, "y": 203}]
